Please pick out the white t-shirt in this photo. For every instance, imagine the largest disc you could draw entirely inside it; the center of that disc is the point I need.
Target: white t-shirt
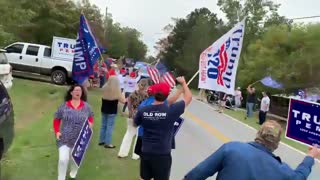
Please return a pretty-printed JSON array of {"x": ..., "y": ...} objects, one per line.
[
  {"x": 237, "y": 94},
  {"x": 121, "y": 80},
  {"x": 131, "y": 84},
  {"x": 265, "y": 104}
]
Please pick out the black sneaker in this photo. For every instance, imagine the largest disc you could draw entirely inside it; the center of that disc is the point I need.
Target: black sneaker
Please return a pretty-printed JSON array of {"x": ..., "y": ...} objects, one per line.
[{"x": 101, "y": 144}]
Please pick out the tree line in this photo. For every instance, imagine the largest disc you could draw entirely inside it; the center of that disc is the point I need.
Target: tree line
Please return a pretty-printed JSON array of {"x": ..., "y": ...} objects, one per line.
[
  {"x": 273, "y": 45},
  {"x": 37, "y": 21}
]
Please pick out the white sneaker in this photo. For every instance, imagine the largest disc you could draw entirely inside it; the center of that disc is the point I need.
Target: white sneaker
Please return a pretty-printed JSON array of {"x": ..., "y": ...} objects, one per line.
[{"x": 136, "y": 157}]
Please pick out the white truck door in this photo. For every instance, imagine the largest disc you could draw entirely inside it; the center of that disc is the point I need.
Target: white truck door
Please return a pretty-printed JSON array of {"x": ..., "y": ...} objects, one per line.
[
  {"x": 46, "y": 61},
  {"x": 14, "y": 55},
  {"x": 32, "y": 59}
]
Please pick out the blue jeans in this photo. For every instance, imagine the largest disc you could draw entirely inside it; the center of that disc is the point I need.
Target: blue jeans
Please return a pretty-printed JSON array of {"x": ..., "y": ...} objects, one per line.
[
  {"x": 262, "y": 117},
  {"x": 107, "y": 128},
  {"x": 250, "y": 109}
]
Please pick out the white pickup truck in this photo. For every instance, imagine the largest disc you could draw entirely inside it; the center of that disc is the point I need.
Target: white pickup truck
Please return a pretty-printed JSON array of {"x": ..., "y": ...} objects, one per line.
[{"x": 37, "y": 59}]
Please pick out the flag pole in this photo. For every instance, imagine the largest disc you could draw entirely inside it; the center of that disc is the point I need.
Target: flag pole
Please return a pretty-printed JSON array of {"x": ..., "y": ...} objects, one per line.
[
  {"x": 157, "y": 62},
  {"x": 153, "y": 62},
  {"x": 255, "y": 82},
  {"x": 194, "y": 76}
]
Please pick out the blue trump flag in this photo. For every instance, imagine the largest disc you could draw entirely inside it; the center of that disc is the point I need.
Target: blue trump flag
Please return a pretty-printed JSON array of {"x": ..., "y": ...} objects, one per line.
[
  {"x": 268, "y": 81},
  {"x": 87, "y": 53}
]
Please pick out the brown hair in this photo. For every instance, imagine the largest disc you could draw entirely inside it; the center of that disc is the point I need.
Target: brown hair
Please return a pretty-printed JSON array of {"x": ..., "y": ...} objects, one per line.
[
  {"x": 68, "y": 95},
  {"x": 269, "y": 135}
]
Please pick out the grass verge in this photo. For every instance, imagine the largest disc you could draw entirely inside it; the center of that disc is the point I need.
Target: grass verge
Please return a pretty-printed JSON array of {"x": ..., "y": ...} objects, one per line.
[{"x": 34, "y": 155}]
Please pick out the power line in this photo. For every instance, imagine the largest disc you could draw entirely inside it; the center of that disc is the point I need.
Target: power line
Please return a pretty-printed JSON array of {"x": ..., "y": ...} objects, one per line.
[{"x": 307, "y": 17}]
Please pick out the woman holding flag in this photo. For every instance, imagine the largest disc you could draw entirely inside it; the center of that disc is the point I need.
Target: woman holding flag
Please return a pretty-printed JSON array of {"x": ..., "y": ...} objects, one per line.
[{"x": 67, "y": 124}]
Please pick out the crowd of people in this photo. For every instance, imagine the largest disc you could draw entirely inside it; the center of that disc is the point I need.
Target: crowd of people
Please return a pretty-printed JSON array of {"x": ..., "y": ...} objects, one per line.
[
  {"x": 149, "y": 107},
  {"x": 153, "y": 110},
  {"x": 236, "y": 100}
]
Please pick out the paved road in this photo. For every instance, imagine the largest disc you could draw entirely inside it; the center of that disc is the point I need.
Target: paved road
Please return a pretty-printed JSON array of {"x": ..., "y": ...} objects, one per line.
[{"x": 206, "y": 130}]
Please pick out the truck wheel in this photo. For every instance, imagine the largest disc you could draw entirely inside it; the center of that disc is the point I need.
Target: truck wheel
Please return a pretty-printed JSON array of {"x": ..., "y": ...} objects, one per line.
[{"x": 58, "y": 77}]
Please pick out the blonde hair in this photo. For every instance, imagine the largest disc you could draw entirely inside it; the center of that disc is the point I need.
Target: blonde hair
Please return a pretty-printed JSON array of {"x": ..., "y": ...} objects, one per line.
[
  {"x": 143, "y": 84},
  {"x": 111, "y": 90},
  {"x": 269, "y": 134}
]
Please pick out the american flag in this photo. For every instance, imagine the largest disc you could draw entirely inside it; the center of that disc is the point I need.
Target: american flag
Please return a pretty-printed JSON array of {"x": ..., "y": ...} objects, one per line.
[{"x": 159, "y": 73}]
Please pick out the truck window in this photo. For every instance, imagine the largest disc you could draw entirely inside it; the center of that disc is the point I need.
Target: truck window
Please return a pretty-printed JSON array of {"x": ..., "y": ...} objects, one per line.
[
  {"x": 32, "y": 50},
  {"x": 16, "y": 48},
  {"x": 47, "y": 52}
]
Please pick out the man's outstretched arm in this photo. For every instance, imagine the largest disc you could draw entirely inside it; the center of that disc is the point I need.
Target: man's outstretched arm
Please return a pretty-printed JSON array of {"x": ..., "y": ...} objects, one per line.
[{"x": 208, "y": 167}]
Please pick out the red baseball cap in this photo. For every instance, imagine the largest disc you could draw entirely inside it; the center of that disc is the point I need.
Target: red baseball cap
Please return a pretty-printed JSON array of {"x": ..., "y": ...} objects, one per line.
[
  {"x": 112, "y": 72},
  {"x": 122, "y": 71},
  {"x": 132, "y": 74},
  {"x": 163, "y": 88},
  {"x": 151, "y": 90}
]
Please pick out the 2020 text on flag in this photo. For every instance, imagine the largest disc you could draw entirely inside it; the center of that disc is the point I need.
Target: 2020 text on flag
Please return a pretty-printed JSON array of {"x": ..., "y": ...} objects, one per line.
[{"x": 219, "y": 62}]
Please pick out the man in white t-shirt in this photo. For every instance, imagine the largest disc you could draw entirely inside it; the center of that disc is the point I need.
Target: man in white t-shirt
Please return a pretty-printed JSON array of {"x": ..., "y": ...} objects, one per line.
[
  {"x": 130, "y": 86},
  {"x": 264, "y": 108},
  {"x": 238, "y": 97},
  {"x": 121, "y": 77}
]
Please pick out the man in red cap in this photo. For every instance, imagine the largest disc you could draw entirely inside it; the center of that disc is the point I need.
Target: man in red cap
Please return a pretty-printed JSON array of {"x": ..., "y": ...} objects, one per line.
[{"x": 157, "y": 121}]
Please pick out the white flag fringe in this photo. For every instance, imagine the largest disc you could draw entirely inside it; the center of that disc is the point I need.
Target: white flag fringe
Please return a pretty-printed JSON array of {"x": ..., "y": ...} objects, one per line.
[{"x": 218, "y": 63}]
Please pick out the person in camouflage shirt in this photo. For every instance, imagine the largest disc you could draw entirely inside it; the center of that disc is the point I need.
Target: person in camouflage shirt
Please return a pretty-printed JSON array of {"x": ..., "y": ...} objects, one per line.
[{"x": 134, "y": 100}]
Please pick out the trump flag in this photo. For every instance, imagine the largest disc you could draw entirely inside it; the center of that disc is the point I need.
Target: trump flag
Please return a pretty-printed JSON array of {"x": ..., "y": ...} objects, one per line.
[
  {"x": 218, "y": 63},
  {"x": 87, "y": 53}
]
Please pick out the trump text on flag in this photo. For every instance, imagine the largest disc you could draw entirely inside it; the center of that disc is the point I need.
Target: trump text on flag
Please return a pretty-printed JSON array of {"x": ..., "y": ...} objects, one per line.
[
  {"x": 79, "y": 58},
  {"x": 218, "y": 63},
  {"x": 220, "y": 66},
  {"x": 304, "y": 122},
  {"x": 86, "y": 53}
]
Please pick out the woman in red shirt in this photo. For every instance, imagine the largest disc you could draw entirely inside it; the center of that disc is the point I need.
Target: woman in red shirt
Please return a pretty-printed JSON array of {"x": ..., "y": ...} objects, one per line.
[{"x": 67, "y": 124}]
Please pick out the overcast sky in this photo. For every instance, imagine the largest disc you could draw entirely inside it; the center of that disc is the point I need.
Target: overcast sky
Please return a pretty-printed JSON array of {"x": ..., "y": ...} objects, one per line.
[{"x": 150, "y": 16}]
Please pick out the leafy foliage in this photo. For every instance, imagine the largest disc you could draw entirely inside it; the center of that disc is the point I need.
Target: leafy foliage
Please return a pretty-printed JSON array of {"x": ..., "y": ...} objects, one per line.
[
  {"x": 37, "y": 21},
  {"x": 272, "y": 45}
]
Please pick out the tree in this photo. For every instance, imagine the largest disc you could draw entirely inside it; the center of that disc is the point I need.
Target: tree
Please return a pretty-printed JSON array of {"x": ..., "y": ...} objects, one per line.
[
  {"x": 150, "y": 59},
  {"x": 135, "y": 47},
  {"x": 189, "y": 37},
  {"x": 38, "y": 21},
  {"x": 289, "y": 55},
  {"x": 260, "y": 15}
]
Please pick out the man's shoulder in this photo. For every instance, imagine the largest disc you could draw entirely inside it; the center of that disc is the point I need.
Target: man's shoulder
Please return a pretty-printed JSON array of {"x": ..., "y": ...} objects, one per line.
[
  {"x": 146, "y": 108},
  {"x": 179, "y": 104},
  {"x": 235, "y": 143},
  {"x": 266, "y": 98},
  {"x": 236, "y": 146}
]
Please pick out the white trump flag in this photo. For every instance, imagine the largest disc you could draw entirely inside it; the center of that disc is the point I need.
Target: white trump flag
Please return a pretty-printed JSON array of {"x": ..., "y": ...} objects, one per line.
[{"x": 218, "y": 63}]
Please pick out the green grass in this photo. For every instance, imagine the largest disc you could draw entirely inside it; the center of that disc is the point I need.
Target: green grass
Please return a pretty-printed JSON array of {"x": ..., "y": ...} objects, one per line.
[
  {"x": 34, "y": 155},
  {"x": 239, "y": 115}
]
